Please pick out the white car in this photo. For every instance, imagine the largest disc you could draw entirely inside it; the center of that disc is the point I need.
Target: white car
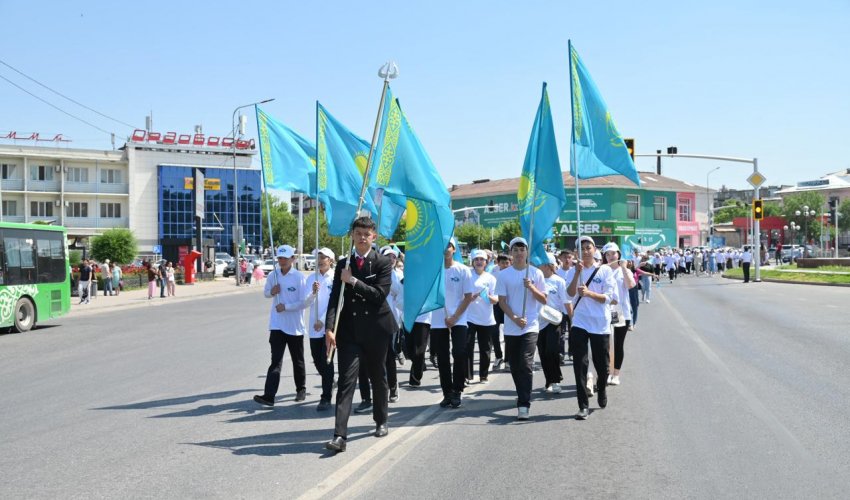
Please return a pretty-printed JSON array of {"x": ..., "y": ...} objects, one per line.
[
  {"x": 267, "y": 266},
  {"x": 220, "y": 264}
]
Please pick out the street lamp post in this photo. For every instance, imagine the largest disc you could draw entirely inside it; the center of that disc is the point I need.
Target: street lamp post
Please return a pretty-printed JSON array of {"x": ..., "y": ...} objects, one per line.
[
  {"x": 708, "y": 201},
  {"x": 236, "y": 232}
]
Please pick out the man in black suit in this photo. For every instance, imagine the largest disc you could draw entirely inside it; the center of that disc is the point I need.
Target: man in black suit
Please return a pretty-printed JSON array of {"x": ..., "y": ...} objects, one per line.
[{"x": 366, "y": 325}]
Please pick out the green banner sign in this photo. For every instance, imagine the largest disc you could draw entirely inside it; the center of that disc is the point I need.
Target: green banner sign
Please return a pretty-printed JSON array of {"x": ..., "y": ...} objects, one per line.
[{"x": 599, "y": 228}]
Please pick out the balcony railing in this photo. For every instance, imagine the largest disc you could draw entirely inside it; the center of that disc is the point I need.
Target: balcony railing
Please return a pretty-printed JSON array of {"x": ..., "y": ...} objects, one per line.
[
  {"x": 96, "y": 187},
  {"x": 13, "y": 218},
  {"x": 95, "y": 222},
  {"x": 13, "y": 184},
  {"x": 43, "y": 185}
]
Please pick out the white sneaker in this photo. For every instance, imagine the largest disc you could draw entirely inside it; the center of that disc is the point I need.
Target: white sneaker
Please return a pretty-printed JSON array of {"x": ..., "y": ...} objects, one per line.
[
  {"x": 549, "y": 389},
  {"x": 590, "y": 387},
  {"x": 609, "y": 379},
  {"x": 556, "y": 388},
  {"x": 647, "y": 301},
  {"x": 522, "y": 413},
  {"x": 615, "y": 380}
]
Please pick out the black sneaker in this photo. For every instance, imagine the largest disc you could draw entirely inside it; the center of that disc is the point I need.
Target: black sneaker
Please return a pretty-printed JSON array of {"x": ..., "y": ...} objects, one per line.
[
  {"x": 456, "y": 402},
  {"x": 582, "y": 414},
  {"x": 414, "y": 384},
  {"x": 446, "y": 402},
  {"x": 498, "y": 365},
  {"x": 364, "y": 406},
  {"x": 263, "y": 401},
  {"x": 602, "y": 399},
  {"x": 301, "y": 395},
  {"x": 324, "y": 405}
]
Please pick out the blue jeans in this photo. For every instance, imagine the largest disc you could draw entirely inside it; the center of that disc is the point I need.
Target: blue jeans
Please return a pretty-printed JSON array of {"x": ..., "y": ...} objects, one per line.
[
  {"x": 107, "y": 286},
  {"x": 645, "y": 286}
]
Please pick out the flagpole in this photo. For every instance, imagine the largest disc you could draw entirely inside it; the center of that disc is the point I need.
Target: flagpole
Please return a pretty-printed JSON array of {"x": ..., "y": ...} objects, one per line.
[
  {"x": 388, "y": 72},
  {"x": 573, "y": 161},
  {"x": 316, "y": 209},
  {"x": 268, "y": 205},
  {"x": 530, "y": 240}
]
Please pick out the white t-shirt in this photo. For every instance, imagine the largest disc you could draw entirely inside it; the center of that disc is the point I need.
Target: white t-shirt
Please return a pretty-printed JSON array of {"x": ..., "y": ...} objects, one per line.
[
  {"x": 622, "y": 294},
  {"x": 458, "y": 281},
  {"x": 294, "y": 295},
  {"x": 563, "y": 274},
  {"x": 590, "y": 315},
  {"x": 556, "y": 292},
  {"x": 509, "y": 284},
  {"x": 396, "y": 296},
  {"x": 480, "y": 311},
  {"x": 326, "y": 282}
]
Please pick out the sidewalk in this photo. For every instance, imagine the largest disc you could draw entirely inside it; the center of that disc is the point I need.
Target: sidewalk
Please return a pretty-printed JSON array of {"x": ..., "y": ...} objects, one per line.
[{"x": 139, "y": 298}]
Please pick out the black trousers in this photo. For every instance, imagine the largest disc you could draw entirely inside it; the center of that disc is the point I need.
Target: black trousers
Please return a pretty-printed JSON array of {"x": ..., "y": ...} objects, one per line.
[
  {"x": 746, "y": 266},
  {"x": 279, "y": 341},
  {"x": 599, "y": 343},
  {"x": 318, "y": 349},
  {"x": 419, "y": 343},
  {"x": 391, "y": 375},
  {"x": 519, "y": 352},
  {"x": 565, "y": 332},
  {"x": 620, "y": 333},
  {"x": 495, "y": 340},
  {"x": 484, "y": 334},
  {"x": 451, "y": 378},
  {"x": 548, "y": 345},
  {"x": 351, "y": 356}
]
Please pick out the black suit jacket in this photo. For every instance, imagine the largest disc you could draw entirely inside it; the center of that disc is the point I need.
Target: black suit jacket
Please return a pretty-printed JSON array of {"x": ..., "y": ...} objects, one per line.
[{"x": 365, "y": 316}]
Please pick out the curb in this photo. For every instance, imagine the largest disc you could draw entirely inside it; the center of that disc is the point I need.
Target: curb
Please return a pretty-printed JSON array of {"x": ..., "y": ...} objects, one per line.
[
  {"x": 157, "y": 303},
  {"x": 787, "y": 282}
]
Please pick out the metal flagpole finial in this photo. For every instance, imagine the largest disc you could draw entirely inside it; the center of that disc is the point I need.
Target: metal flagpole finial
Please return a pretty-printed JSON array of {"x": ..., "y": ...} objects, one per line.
[{"x": 388, "y": 71}]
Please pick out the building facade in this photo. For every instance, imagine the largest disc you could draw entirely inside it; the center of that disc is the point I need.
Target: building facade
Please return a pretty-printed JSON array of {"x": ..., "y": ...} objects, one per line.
[
  {"x": 145, "y": 186},
  {"x": 663, "y": 212}
]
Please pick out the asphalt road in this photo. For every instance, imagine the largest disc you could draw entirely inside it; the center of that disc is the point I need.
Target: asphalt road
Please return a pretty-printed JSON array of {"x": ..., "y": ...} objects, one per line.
[{"x": 728, "y": 390}]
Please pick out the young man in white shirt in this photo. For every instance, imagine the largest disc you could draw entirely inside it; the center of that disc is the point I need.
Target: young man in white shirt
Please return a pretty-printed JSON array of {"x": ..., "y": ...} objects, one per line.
[
  {"x": 448, "y": 326},
  {"x": 521, "y": 330},
  {"x": 746, "y": 260},
  {"x": 289, "y": 293},
  {"x": 321, "y": 284},
  {"x": 480, "y": 317},
  {"x": 593, "y": 286}
]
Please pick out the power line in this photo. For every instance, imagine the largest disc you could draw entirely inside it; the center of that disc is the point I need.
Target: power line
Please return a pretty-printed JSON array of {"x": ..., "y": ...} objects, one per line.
[
  {"x": 4, "y": 63},
  {"x": 54, "y": 106}
]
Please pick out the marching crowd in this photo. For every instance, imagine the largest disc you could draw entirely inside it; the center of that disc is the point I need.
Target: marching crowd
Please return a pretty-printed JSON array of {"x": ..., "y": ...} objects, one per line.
[{"x": 570, "y": 307}]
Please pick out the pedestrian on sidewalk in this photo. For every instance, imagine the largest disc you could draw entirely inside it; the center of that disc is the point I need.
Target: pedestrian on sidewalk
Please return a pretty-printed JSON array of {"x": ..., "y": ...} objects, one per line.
[
  {"x": 169, "y": 279},
  {"x": 117, "y": 278},
  {"x": 746, "y": 260},
  {"x": 153, "y": 277},
  {"x": 106, "y": 276},
  {"x": 86, "y": 275},
  {"x": 290, "y": 295}
]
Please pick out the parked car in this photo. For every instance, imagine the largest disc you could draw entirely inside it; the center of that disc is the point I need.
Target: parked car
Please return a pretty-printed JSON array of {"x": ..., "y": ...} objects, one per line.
[
  {"x": 229, "y": 269},
  {"x": 220, "y": 266},
  {"x": 791, "y": 253},
  {"x": 308, "y": 262},
  {"x": 224, "y": 256},
  {"x": 267, "y": 266}
]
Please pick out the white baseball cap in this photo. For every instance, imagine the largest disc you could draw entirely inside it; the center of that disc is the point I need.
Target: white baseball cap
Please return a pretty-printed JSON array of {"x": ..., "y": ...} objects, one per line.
[
  {"x": 386, "y": 250},
  {"x": 585, "y": 238},
  {"x": 327, "y": 252},
  {"x": 551, "y": 257},
  {"x": 285, "y": 251},
  {"x": 478, "y": 254},
  {"x": 518, "y": 240},
  {"x": 610, "y": 247}
]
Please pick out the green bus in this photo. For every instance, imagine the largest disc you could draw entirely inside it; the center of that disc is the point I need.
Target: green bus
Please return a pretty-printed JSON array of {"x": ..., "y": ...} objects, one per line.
[{"x": 34, "y": 274}]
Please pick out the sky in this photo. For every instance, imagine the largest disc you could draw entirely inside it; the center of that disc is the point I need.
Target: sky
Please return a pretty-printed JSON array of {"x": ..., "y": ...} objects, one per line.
[{"x": 757, "y": 79}]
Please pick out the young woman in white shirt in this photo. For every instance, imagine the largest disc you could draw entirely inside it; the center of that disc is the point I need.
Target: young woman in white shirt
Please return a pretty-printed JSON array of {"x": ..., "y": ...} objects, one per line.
[
  {"x": 625, "y": 280},
  {"x": 480, "y": 318}
]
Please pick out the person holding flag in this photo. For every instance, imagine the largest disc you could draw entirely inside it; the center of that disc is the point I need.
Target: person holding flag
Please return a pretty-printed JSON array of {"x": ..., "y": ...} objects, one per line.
[
  {"x": 321, "y": 284},
  {"x": 512, "y": 286},
  {"x": 365, "y": 328},
  {"x": 481, "y": 320}
]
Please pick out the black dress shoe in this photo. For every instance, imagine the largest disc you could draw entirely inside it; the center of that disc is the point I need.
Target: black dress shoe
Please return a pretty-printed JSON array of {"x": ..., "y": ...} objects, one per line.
[
  {"x": 446, "y": 402},
  {"x": 364, "y": 407},
  {"x": 602, "y": 399},
  {"x": 336, "y": 444},
  {"x": 381, "y": 430},
  {"x": 263, "y": 401}
]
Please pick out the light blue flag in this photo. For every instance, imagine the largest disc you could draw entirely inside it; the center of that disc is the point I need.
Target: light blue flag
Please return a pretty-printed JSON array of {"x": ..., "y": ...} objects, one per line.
[
  {"x": 341, "y": 162},
  {"x": 598, "y": 149},
  {"x": 403, "y": 169},
  {"x": 288, "y": 160},
  {"x": 391, "y": 206},
  {"x": 390, "y": 212},
  {"x": 541, "y": 184}
]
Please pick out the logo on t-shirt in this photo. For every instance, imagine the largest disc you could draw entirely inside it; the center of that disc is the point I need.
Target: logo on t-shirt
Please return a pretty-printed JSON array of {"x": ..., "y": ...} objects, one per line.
[
  {"x": 597, "y": 280},
  {"x": 291, "y": 289},
  {"x": 455, "y": 279}
]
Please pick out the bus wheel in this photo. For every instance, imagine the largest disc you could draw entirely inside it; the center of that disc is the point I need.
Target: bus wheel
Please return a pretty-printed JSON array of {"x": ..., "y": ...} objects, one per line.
[{"x": 24, "y": 315}]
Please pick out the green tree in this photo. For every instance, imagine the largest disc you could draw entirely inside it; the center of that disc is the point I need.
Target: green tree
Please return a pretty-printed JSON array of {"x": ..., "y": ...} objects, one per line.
[
  {"x": 474, "y": 235},
  {"x": 730, "y": 210},
  {"x": 284, "y": 224},
  {"x": 335, "y": 243},
  {"x": 810, "y": 224},
  {"x": 844, "y": 215},
  {"x": 507, "y": 231},
  {"x": 118, "y": 245}
]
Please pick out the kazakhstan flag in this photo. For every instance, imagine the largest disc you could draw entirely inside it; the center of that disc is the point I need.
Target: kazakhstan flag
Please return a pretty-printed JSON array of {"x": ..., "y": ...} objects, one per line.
[
  {"x": 391, "y": 206},
  {"x": 341, "y": 163},
  {"x": 598, "y": 148},
  {"x": 289, "y": 161},
  {"x": 404, "y": 171},
  {"x": 541, "y": 187}
]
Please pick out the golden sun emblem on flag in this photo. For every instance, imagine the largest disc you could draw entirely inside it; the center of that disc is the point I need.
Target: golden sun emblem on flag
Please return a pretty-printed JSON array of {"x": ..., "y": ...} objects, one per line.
[
  {"x": 420, "y": 225},
  {"x": 613, "y": 134},
  {"x": 361, "y": 159}
]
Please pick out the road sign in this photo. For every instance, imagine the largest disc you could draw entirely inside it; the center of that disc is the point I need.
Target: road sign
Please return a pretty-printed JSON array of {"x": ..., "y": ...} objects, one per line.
[
  {"x": 756, "y": 179},
  {"x": 157, "y": 249}
]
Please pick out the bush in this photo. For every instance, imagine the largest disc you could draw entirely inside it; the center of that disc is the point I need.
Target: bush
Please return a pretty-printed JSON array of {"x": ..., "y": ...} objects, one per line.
[{"x": 118, "y": 245}]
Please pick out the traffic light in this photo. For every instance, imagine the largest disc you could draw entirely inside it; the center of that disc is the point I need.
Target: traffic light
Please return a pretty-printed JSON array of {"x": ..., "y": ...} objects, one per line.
[
  {"x": 833, "y": 203},
  {"x": 830, "y": 218},
  {"x": 672, "y": 150},
  {"x": 758, "y": 209},
  {"x": 630, "y": 147}
]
